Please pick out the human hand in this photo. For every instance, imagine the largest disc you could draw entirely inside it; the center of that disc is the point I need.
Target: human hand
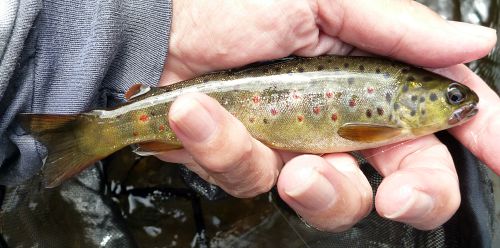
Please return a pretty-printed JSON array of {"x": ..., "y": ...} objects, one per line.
[{"x": 420, "y": 185}]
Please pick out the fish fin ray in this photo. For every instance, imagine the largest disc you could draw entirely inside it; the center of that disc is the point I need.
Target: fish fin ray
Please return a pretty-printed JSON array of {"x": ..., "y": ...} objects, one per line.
[
  {"x": 57, "y": 133},
  {"x": 368, "y": 133},
  {"x": 39, "y": 123}
]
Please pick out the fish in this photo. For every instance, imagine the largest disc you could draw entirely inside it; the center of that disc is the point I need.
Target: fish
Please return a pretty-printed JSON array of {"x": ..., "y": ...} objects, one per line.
[{"x": 312, "y": 105}]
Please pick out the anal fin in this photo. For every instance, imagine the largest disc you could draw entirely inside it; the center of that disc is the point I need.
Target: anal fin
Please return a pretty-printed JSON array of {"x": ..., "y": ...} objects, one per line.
[{"x": 154, "y": 147}]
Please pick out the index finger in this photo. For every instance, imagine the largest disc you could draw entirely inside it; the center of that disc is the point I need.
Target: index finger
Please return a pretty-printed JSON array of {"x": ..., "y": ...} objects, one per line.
[{"x": 405, "y": 30}]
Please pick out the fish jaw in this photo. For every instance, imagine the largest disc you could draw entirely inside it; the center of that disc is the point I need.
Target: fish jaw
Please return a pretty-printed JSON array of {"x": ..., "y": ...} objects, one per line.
[{"x": 463, "y": 114}]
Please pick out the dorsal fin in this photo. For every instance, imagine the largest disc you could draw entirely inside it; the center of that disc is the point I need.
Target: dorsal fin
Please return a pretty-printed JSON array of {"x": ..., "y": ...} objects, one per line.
[{"x": 368, "y": 133}]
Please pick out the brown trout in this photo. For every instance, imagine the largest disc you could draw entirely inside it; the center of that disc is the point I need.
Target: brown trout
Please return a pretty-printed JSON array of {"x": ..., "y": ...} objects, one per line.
[{"x": 313, "y": 105}]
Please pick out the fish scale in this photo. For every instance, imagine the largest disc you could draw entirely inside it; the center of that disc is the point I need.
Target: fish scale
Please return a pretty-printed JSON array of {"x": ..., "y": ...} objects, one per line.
[{"x": 312, "y": 105}]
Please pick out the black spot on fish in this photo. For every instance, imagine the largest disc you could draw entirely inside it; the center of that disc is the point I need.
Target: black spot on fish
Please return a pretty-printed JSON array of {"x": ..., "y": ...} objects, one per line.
[
  {"x": 289, "y": 71},
  {"x": 205, "y": 80},
  {"x": 387, "y": 75},
  {"x": 405, "y": 70},
  {"x": 405, "y": 88},
  {"x": 422, "y": 99},
  {"x": 390, "y": 117},
  {"x": 433, "y": 97},
  {"x": 412, "y": 113},
  {"x": 265, "y": 120},
  {"x": 350, "y": 80},
  {"x": 414, "y": 98},
  {"x": 380, "y": 111},
  {"x": 410, "y": 79},
  {"x": 300, "y": 69},
  {"x": 346, "y": 65},
  {"x": 369, "y": 113},
  {"x": 329, "y": 61},
  {"x": 336, "y": 69},
  {"x": 377, "y": 70},
  {"x": 396, "y": 106},
  {"x": 361, "y": 68},
  {"x": 422, "y": 111},
  {"x": 388, "y": 97},
  {"x": 320, "y": 67},
  {"x": 265, "y": 71},
  {"x": 427, "y": 78}
]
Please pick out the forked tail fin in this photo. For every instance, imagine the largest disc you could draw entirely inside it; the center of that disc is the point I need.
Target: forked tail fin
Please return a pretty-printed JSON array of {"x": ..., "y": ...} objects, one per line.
[{"x": 63, "y": 138}]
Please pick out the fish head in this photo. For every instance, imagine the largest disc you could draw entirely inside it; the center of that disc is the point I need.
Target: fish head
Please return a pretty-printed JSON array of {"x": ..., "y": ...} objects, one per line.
[
  {"x": 463, "y": 103},
  {"x": 435, "y": 103}
]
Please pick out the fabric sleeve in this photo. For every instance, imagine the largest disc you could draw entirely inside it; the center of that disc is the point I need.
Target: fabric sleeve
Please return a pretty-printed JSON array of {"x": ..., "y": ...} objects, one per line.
[{"x": 65, "y": 56}]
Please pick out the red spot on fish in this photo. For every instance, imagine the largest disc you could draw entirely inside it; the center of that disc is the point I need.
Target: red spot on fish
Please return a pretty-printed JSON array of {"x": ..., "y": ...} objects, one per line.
[
  {"x": 329, "y": 94},
  {"x": 300, "y": 118},
  {"x": 135, "y": 133},
  {"x": 352, "y": 102},
  {"x": 334, "y": 117},
  {"x": 370, "y": 90},
  {"x": 274, "y": 111},
  {"x": 295, "y": 95},
  {"x": 316, "y": 109},
  {"x": 161, "y": 128},
  {"x": 144, "y": 118},
  {"x": 256, "y": 99}
]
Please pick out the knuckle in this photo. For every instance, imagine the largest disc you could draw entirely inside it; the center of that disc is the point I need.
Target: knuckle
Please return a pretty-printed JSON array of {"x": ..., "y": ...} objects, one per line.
[
  {"x": 228, "y": 158},
  {"x": 250, "y": 188},
  {"x": 264, "y": 187},
  {"x": 242, "y": 193}
]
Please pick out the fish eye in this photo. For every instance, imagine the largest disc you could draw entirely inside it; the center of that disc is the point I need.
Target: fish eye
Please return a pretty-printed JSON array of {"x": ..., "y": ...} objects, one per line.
[{"x": 455, "y": 94}]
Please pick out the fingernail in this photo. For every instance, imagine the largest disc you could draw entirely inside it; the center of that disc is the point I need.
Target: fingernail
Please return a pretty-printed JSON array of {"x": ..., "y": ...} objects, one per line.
[
  {"x": 474, "y": 30},
  {"x": 415, "y": 204},
  {"x": 312, "y": 191},
  {"x": 192, "y": 119}
]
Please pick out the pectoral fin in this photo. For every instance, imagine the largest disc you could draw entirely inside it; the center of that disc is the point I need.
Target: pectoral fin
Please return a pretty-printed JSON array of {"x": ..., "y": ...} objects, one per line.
[
  {"x": 368, "y": 133},
  {"x": 155, "y": 147}
]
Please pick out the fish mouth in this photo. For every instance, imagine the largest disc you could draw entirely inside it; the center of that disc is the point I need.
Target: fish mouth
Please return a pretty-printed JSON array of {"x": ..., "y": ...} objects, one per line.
[{"x": 463, "y": 113}]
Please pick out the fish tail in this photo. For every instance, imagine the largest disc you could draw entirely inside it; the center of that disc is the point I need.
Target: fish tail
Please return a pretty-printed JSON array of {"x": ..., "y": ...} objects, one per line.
[{"x": 69, "y": 147}]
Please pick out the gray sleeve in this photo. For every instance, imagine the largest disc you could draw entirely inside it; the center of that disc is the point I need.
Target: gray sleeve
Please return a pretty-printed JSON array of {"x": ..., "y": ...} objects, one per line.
[{"x": 65, "y": 56}]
